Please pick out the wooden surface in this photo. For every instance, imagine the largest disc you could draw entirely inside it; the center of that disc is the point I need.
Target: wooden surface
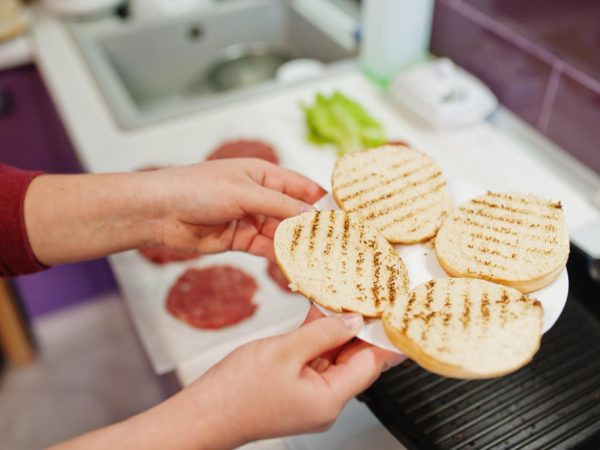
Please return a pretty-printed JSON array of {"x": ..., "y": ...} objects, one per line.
[{"x": 15, "y": 339}]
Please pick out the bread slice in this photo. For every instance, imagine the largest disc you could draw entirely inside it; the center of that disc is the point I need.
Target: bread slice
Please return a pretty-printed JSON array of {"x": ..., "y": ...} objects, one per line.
[
  {"x": 465, "y": 328},
  {"x": 518, "y": 240},
  {"x": 339, "y": 262},
  {"x": 398, "y": 190}
]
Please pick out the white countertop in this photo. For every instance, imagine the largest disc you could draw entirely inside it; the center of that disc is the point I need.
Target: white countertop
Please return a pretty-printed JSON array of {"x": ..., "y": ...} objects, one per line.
[{"x": 482, "y": 155}]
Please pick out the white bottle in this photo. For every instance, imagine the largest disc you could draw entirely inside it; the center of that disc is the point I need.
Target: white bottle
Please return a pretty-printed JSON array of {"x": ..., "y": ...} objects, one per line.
[{"x": 395, "y": 35}]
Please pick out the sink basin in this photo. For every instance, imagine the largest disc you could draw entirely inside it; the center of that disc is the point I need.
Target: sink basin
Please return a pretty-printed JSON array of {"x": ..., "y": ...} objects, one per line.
[{"x": 152, "y": 71}]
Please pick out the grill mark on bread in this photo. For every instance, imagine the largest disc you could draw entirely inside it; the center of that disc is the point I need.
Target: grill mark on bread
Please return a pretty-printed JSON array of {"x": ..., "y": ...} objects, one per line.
[
  {"x": 330, "y": 227},
  {"x": 499, "y": 253},
  {"x": 407, "y": 311},
  {"x": 408, "y": 215},
  {"x": 429, "y": 314},
  {"x": 524, "y": 200},
  {"x": 512, "y": 209},
  {"x": 429, "y": 294},
  {"x": 385, "y": 182},
  {"x": 314, "y": 228},
  {"x": 466, "y": 315},
  {"x": 376, "y": 275},
  {"x": 503, "y": 302},
  {"x": 485, "y": 308},
  {"x": 397, "y": 192},
  {"x": 488, "y": 263},
  {"x": 360, "y": 259},
  {"x": 509, "y": 219},
  {"x": 447, "y": 310},
  {"x": 361, "y": 291},
  {"x": 345, "y": 234},
  {"x": 296, "y": 238},
  {"x": 469, "y": 221},
  {"x": 368, "y": 166},
  {"x": 391, "y": 284},
  {"x": 407, "y": 202},
  {"x": 488, "y": 238},
  {"x": 356, "y": 180}
]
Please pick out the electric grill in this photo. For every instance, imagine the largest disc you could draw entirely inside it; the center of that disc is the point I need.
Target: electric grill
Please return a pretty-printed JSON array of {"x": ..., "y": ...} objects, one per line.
[{"x": 552, "y": 403}]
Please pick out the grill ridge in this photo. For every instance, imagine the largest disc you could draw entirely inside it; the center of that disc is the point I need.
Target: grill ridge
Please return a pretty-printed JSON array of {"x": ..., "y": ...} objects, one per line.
[{"x": 552, "y": 403}]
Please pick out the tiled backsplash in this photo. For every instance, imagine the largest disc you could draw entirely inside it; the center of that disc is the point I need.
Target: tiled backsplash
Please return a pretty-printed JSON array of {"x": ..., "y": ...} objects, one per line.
[{"x": 540, "y": 57}]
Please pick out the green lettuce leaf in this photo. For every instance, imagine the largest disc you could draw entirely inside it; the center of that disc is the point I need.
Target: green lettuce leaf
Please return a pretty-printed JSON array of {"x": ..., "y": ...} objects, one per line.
[{"x": 340, "y": 121}]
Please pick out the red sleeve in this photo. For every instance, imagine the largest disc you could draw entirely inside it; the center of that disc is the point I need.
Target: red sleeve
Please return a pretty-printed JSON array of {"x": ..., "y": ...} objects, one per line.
[{"x": 16, "y": 256}]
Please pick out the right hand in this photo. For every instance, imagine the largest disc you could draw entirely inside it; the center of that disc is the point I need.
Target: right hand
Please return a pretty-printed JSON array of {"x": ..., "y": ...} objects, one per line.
[{"x": 272, "y": 387}]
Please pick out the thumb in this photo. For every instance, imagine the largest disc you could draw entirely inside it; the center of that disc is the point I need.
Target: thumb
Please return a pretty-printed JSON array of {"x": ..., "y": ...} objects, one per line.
[
  {"x": 268, "y": 202},
  {"x": 317, "y": 337},
  {"x": 359, "y": 371}
]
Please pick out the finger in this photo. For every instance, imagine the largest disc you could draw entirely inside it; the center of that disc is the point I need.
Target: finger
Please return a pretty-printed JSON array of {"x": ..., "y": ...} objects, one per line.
[
  {"x": 358, "y": 372},
  {"x": 272, "y": 203},
  {"x": 321, "y": 335},
  {"x": 262, "y": 246},
  {"x": 390, "y": 358},
  {"x": 313, "y": 314},
  {"x": 269, "y": 227},
  {"x": 322, "y": 362},
  {"x": 291, "y": 183}
]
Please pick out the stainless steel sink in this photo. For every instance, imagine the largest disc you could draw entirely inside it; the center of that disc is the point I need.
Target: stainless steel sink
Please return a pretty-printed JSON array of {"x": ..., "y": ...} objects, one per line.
[{"x": 152, "y": 71}]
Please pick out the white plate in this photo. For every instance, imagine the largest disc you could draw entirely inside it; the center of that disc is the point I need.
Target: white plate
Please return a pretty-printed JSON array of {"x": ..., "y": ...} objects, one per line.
[{"x": 422, "y": 265}]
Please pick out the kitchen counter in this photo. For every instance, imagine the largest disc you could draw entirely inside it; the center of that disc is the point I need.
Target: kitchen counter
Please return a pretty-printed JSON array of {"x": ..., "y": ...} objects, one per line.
[
  {"x": 481, "y": 155},
  {"x": 492, "y": 154}
]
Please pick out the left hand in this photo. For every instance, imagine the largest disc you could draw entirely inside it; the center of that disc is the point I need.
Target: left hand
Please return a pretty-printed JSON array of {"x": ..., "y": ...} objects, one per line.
[{"x": 233, "y": 204}]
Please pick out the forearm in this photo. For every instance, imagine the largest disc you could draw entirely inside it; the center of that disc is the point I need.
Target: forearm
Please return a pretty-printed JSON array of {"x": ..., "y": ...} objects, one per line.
[
  {"x": 77, "y": 217},
  {"x": 183, "y": 422}
]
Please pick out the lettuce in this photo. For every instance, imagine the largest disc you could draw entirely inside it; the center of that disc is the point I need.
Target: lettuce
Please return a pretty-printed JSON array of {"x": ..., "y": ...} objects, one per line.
[{"x": 340, "y": 121}]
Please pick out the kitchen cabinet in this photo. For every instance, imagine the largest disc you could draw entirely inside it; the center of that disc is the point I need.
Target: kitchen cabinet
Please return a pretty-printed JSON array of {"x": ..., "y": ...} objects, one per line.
[{"x": 32, "y": 137}]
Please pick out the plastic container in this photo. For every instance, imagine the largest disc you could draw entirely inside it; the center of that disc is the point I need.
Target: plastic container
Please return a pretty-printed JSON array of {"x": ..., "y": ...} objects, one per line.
[{"x": 395, "y": 35}]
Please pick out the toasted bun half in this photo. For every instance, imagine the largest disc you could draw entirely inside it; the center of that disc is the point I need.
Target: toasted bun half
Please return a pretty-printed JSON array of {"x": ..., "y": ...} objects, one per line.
[
  {"x": 513, "y": 239},
  {"x": 398, "y": 190},
  {"x": 339, "y": 262},
  {"x": 465, "y": 328}
]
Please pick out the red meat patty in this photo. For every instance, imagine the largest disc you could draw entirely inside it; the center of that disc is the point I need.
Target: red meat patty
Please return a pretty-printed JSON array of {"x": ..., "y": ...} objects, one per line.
[
  {"x": 244, "y": 149},
  {"x": 163, "y": 255},
  {"x": 213, "y": 297}
]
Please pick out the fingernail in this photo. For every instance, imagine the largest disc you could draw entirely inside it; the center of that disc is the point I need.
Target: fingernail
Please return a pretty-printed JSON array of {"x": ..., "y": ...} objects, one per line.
[
  {"x": 319, "y": 365},
  {"x": 393, "y": 361},
  {"x": 353, "y": 321},
  {"x": 305, "y": 207}
]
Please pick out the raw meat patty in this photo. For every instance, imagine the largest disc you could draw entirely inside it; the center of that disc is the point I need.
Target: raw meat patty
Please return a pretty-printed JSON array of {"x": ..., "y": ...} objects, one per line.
[
  {"x": 212, "y": 297},
  {"x": 244, "y": 149}
]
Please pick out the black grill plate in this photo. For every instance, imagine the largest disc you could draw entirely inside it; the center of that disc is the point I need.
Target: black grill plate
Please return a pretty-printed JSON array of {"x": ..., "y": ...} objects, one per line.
[{"x": 552, "y": 403}]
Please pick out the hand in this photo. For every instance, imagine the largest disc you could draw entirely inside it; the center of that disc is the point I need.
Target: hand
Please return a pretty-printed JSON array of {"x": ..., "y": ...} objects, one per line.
[
  {"x": 266, "y": 388},
  {"x": 343, "y": 352},
  {"x": 233, "y": 204},
  {"x": 269, "y": 388}
]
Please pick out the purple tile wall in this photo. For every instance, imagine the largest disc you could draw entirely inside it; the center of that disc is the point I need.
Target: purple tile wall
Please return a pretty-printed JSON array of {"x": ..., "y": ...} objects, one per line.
[
  {"x": 574, "y": 122},
  {"x": 63, "y": 286},
  {"x": 32, "y": 137},
  {"x": 568, "y": 29},
  {"x": 540, "y": 57},
  {"x": 517, "y": 78}
]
